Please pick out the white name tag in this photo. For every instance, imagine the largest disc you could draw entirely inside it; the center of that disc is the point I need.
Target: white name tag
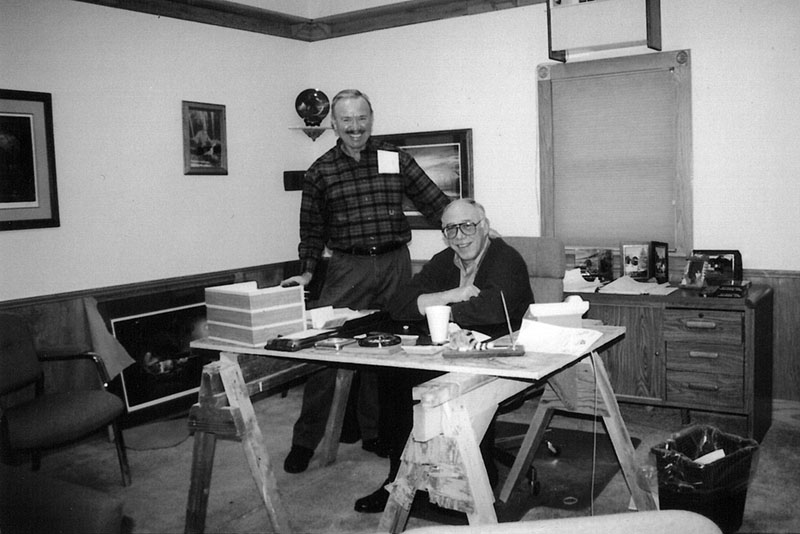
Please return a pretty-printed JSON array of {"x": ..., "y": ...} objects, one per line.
[{"x": 388, "y": 162}]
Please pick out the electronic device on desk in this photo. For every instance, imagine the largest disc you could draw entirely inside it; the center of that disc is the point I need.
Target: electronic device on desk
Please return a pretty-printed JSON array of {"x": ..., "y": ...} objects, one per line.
[
  {"x": 309, "y": 338},
  {"x": 299, "y": 340},
  {"x": 732, "y": 289}
]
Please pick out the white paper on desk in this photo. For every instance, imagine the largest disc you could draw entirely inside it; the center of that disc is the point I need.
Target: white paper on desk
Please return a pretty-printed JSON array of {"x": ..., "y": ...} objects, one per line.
[
  {"x": 628, "y": 286},
  {"x": 537, "y": 336},
  {"x": 330, "y": 317},
  {"x": 571, "y": 306},
  {"x": 574, "y": 282}
]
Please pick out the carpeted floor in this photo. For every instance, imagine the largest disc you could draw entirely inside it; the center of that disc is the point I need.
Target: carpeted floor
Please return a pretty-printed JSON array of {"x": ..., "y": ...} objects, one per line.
[
  {"x": 157, "y": 435},
  {"x": 570, "y": 468},
  {"x": 321, "y": 500}
]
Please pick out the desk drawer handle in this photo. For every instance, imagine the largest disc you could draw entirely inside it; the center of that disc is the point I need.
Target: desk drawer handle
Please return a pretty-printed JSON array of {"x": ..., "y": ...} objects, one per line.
[
  {"x": 702, "y": 354},
  {"x": 704, "y": 325},
  {"x": 702, "y": 387}
]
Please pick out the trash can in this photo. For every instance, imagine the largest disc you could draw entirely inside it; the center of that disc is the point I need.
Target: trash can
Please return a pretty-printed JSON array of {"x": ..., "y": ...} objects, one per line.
[{"x": 690, "y": 478}]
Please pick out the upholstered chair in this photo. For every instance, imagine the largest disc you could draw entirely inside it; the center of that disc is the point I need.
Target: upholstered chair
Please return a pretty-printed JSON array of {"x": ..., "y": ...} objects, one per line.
[{"x": 33, "y": 423}]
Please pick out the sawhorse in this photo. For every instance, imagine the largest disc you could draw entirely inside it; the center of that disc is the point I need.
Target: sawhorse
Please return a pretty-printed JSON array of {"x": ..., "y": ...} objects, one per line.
[
  {"x": 224, "y": 410},
  {"x": 442, "y": 455}
]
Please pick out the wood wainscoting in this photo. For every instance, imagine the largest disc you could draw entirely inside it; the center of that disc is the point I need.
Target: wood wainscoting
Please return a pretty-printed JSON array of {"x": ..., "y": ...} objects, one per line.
[
  {"x": 786, "y": 284},
  {"x": 786, "y": 330}
]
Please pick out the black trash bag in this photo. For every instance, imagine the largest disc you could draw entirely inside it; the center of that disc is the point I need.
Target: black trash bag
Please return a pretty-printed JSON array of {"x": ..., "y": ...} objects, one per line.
[{"x": 717, "y": 490}]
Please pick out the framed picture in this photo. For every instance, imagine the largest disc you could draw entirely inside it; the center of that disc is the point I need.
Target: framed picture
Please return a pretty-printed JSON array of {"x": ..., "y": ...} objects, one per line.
[
  {"x": 28, "y": 195},
  {"x": 166, "y": 368},
  {"x": 205, "y": 146},
  {"x": 694, "y": 273},
  {"x": 593, "y": 262},
  {"x": 446, "y": 157},
  {"x": 659, "y": 261},
  {"x": 723, "y": 265},
  {"x": 635, "y": 260}
]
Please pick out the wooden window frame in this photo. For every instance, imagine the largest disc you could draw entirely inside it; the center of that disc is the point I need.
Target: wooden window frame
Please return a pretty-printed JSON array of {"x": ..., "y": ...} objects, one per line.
[{"x": 679, "y": 62}]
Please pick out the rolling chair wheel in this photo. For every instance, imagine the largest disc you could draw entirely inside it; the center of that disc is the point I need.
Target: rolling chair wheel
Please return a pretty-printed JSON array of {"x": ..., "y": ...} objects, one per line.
[
  {"x": 553, "y": 449},
  {"x": 533, "y": 481}
]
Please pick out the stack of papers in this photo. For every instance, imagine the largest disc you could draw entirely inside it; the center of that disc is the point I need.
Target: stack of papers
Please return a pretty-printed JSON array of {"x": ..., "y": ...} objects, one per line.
[
  {"x": 628, "y": 286},
  {"x": 537, "y": 336},
  {"x": 328, "y": 317}
]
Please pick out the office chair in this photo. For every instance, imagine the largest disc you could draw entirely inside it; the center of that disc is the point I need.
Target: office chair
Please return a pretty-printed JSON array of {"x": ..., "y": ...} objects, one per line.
[
  {"x": 546, "y": 261},
  {"x": 48, "y": 420}
]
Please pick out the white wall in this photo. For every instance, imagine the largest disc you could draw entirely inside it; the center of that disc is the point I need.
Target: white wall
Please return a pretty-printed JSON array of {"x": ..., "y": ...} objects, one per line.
[
  {"x": 479, "y": 72},
  {"x": 470, "y": 72},
  {"x": 129, "y": 214}
]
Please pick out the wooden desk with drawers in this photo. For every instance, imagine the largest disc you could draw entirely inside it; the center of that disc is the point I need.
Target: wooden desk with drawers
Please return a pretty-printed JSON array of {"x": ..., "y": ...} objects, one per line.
[{"x": 692, "y": 352}]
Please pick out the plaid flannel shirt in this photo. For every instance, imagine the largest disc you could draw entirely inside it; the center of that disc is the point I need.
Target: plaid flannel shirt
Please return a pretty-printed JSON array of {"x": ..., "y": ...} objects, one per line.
[{"x": 348, "y": 203}]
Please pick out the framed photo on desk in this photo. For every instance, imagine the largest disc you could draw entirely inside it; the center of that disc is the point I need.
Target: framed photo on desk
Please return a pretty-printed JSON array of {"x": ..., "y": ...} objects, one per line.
[
  {"x": 723, "y": 265},
  {"x": 659, "y": 261},
  {"x": 635, "y": 260}
]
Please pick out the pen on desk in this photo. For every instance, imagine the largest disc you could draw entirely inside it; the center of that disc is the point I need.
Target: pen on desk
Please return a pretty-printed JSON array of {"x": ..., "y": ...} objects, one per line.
[{"x": 508, "y": 322}]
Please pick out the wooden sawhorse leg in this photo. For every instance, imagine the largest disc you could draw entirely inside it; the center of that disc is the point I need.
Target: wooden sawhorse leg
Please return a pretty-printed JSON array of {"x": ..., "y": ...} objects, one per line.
[
  {"x": 224, "y": 410},
  {"x": 442, "y": 455},
  {"x": 238, "y": 421},
  {"x": 585, "y": 389},
  {"x": 333, "y": 428}
]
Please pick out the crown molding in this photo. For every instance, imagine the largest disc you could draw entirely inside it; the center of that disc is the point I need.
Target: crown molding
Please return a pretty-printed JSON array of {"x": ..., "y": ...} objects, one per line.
[{"x": 253, "y": 19}]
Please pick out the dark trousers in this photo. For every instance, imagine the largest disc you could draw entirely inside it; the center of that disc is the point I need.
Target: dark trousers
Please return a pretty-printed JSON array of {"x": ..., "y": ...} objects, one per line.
[{"x": 358, "y": 283}]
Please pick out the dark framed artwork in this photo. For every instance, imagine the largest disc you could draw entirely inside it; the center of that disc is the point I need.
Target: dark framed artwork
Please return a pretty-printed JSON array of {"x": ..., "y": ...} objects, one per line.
[
  {"x": 446, "y": 157},
  {"x": 694, "y": 272},
  {"x": 592, "y": 261},
  {"x": 165, "y": 367},
  {"x": 205, "y": 145},
  {"x": 28, "y": 193},
  {"x": 635, "y": 260},
  {"x": 723, "y": 265},
  {"x": 659, "y": 261}
]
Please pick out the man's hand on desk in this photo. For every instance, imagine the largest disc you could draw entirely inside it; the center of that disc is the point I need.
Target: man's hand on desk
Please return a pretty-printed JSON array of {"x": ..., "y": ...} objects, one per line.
[{"x": 299, "y": 280}]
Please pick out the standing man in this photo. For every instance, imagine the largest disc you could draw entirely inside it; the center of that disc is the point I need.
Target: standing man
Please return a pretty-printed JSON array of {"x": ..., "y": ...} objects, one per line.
[
  {"x": 473, "y": 276},
  {"x": 353, "y": 204}
]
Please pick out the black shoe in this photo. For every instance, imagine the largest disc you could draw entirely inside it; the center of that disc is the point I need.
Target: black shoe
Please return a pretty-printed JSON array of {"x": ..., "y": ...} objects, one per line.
[
  {"x": 376, "y": 446},
  {"x": 349, "y": 436},
  {"x": 374, "y": 502},
  {"x": 297, "y": 459}
]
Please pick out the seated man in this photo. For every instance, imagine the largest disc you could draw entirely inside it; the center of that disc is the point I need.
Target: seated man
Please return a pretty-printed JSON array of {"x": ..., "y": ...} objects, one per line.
[{"x": 472, "y": 276}]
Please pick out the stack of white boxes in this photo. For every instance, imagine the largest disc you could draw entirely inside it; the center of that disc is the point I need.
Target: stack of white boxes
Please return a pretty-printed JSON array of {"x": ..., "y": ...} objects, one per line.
[{"x": 246, "y": 315}]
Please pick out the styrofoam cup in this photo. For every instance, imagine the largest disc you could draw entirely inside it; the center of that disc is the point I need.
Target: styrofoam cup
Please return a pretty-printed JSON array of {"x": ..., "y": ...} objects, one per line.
[{"x": 438, "y": 322}]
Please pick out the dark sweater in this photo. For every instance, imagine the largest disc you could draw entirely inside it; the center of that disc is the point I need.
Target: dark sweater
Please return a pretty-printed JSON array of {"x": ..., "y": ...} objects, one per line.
[{"x": 502, "y": 269}]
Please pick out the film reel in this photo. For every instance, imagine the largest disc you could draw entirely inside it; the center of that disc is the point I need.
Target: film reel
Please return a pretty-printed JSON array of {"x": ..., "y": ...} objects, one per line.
[{"x": 379, "y": 340}]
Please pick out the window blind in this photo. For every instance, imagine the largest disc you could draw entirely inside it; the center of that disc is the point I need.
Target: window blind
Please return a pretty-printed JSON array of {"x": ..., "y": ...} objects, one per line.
[{"x": 614, "y": 158}]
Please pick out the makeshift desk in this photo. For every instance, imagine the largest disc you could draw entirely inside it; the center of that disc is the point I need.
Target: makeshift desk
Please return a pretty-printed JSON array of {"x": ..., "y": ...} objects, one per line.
[{"x": 224, "y": 408}]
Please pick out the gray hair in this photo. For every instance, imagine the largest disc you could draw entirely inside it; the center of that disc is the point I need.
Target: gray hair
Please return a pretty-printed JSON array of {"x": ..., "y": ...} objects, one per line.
[
  {"x": 347, "y": 94},
  {"x": 470, "y": 201}
]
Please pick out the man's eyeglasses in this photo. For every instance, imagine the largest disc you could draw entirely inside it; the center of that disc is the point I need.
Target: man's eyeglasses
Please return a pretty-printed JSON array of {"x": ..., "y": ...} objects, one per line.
[{"x": 467, "y": 228}]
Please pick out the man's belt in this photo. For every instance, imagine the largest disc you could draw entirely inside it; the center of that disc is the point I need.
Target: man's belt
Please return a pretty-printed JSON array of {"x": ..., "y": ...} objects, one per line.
[{"x": 376, "y": 250}]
